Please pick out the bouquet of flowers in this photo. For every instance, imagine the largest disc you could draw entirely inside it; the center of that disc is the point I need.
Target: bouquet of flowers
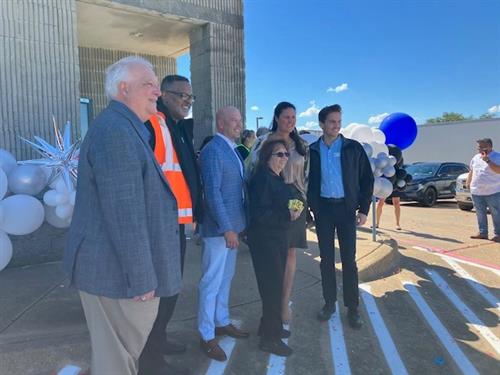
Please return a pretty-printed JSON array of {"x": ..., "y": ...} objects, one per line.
[{"x": 295, "y": 205}]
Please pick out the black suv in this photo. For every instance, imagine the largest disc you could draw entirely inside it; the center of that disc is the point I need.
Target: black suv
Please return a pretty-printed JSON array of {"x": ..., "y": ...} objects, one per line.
[{"x": 432, "y": 181}]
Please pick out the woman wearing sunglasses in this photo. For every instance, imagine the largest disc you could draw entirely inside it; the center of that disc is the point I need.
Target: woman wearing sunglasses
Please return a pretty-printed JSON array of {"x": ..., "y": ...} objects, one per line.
[
  {"x": 294, "y": 173},
  {"x": 270, "y": 219}
]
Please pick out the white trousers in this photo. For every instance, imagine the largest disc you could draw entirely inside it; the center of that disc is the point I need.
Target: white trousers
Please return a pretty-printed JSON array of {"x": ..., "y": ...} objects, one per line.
[{"x": 218, "y": 267}]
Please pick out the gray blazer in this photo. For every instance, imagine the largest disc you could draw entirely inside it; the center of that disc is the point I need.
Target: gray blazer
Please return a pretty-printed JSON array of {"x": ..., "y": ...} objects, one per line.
[
  {"x": 124, "y": 236},
  {"x": 224, "y": 189}
]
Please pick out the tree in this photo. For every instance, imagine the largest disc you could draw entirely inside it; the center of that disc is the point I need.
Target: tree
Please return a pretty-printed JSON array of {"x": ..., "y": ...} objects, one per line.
[
  {"x": 449, "y": 117},
  {"x": 487, "y": 115}
]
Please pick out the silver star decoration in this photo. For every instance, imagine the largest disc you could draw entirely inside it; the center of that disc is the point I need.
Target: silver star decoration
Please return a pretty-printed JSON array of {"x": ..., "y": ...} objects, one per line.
[{"x": 61, "y": 158}]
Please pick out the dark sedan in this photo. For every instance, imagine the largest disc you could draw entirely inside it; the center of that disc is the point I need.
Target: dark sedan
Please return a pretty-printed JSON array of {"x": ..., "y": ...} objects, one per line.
[{"x": 432, "y": 181}]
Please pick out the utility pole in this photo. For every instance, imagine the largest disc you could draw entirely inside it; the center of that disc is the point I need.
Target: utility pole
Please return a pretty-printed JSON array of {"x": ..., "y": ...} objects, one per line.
[{"x": 257, "y": 120}]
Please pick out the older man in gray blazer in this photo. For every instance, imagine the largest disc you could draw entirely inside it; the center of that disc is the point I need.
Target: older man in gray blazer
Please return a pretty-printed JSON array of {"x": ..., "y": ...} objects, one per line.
[
  {"x": 123, "y": 248},
  {"x": 224, "y": 218}
]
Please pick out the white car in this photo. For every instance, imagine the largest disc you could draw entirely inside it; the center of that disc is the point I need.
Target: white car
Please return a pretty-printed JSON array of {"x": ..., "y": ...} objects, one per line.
[{"x": 463, "y": 196}]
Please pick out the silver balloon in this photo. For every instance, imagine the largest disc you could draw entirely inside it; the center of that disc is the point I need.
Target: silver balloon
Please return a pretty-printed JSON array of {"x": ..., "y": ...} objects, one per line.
[
  {"x": 27, "y": 179},
  {"x": 7, "y": 161},
  {"x": 400, "y": 183},
  {"x": 389, "y": 171},
  {"x": 368, "y": 149},
  {"x": 378, "y": 172},
  {"x": 382, "y": 160},
  {"x": 372, "y": 164},
  {"x": 392, "y": 160},
  {"x": 384, "y": 188}
]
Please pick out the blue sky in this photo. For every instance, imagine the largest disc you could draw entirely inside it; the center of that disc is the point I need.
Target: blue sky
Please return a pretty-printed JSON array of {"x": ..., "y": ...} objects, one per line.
[{"x": 421, "y": 57}]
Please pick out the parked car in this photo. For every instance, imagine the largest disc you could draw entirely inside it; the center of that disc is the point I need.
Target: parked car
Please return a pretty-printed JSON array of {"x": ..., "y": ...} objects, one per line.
[
  {"x": 432, "y": 181},
  {"x": 463, "y": 196}
]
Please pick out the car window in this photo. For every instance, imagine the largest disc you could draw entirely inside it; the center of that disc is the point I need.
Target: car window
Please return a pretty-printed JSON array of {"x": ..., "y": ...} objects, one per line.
[
  {"x": 422, "y": 170},
  {"x": 446, "y": 170}
]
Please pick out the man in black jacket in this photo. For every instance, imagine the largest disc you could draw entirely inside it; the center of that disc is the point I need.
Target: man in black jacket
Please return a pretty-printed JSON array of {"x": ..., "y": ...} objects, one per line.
[
  {"x": 175, "y": 102},
  {"x": 339, "y": 194}
]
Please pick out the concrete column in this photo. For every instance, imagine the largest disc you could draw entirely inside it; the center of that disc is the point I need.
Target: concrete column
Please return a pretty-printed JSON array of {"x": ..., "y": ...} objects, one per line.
[{"x": 217, "y": 74}]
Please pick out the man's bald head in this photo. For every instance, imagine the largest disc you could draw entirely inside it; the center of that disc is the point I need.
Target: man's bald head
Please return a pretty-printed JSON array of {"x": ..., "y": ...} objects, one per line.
[{"x": 228, "y": 121}]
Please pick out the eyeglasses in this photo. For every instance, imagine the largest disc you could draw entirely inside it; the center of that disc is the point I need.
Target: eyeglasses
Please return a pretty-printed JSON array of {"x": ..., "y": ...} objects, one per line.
[
  {"x": 182, "y": 95},
  {"x": 281, "y": 154}
]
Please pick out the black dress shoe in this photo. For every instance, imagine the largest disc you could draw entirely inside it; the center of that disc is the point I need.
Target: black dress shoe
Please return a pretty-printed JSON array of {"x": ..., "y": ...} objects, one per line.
[
  {"x": 353, "y": 318},
  {"x": 276, "y": 347},
  {"x": 326, "y": 312}
]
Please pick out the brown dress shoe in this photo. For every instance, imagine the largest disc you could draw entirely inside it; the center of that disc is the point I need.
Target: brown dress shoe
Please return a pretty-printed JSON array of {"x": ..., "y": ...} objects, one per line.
[
  {"x": 232, "y": 331},
  {"x": 496, "y": 239},
  {"x": 479, "y": 236},
  {"x": 212, "y": 349}
]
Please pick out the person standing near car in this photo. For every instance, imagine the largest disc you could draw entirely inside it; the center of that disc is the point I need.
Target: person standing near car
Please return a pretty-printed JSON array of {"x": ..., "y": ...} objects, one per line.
[{"x": 484, "y": 184}]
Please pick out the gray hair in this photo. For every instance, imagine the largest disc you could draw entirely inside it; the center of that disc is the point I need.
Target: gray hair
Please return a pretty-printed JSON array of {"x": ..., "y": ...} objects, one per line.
[{"x": 119, "y": 72}]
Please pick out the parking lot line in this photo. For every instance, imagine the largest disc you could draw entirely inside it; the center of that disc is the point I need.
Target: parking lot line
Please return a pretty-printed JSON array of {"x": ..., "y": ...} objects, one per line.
[
  {"x": 337, "y": 343},
  {"x": 227, "y": 344},
  {"x": 485, "y": 293},
  {"x": 391, "y": 354},
  {"x": 446, "y": 339},
  {"x": 464, "y": 310}
]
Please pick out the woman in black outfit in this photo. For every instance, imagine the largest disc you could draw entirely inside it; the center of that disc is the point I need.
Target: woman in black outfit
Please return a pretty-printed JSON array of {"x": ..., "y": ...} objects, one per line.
[{"x": 270, "y": 220}]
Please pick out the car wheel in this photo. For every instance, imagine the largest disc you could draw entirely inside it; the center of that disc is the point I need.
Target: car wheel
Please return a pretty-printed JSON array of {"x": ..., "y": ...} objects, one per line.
[
  {"x": 464, "y": 207},
  {"x": 430, "y": 197}
]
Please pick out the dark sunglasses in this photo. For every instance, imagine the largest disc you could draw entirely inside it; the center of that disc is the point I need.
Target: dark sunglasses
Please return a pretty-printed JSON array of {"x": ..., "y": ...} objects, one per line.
[
  {"x": 281, "y": 154},
  {"x": 182, "y": 95}
]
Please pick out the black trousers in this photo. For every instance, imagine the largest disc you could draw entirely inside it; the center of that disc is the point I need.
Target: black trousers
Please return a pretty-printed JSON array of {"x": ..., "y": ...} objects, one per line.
[
  {"x": 158, "y": 335},
  {"x": 269, "y": 264},
  {"x": 334, "y": 216}
]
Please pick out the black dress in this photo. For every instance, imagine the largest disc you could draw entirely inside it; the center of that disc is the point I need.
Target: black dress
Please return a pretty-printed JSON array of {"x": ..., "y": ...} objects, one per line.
[{"x": 268, "y": 241}]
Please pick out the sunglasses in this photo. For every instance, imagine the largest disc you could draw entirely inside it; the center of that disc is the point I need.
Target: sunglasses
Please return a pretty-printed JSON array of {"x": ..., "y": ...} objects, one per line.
[
  {"x": 182, "y": 95},
  {"x": 281, "y": 154}
]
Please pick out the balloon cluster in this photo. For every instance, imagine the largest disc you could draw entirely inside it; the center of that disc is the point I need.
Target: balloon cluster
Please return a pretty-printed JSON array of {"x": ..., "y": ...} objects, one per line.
[{"x": 20, "y": 212}]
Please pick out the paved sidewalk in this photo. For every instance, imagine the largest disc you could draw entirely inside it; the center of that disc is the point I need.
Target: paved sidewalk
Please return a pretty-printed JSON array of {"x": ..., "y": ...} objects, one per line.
[{"x": 42, "y": 327}]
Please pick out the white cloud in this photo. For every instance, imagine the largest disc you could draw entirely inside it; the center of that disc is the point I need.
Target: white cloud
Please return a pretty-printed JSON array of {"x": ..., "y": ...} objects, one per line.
[
  {"x": 377, "y": 119},
  {"x": 311, "y": 111},
  {"x": 310, "y": 125},
  {"x": 254, "y": 108},
  {"x": 494, "y": 109},
  {"x": 339, "y": 88}
]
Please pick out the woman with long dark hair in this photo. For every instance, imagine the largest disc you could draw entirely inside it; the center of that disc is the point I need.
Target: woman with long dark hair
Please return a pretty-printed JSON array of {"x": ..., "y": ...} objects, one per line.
[
  {"x": 270, "y": 220},
  {"x": 295, "y": 173}
]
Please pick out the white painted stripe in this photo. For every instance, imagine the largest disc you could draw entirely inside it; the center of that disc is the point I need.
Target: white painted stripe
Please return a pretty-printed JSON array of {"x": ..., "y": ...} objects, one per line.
[
  {"x": 384, "y": 337},
  {"x": 444, "y": 256},
  {"x": 481, "y": 289},
  {"x": 337, "y": 343},
  {"x": 464, "y": 310},
  {"x": 70, "y": 370},
  {"x": 448, "y": 342},
  {"x": 227, "y": 344},
  {"x": 277, "y": 364}
]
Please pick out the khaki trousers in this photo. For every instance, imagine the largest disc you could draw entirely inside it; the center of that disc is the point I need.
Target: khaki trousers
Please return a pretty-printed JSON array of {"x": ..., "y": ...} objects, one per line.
[{"x": 118, "y": 330}]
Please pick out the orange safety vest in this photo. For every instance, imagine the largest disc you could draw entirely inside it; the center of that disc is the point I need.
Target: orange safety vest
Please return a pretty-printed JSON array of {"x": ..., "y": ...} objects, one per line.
[{"x": 167, "y": 158}]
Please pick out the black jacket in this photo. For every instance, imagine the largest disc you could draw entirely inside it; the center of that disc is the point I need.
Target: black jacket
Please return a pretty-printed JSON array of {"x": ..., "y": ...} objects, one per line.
[
  {"x": 182, "y": 139},
  {"x": 357, "y": 176}
]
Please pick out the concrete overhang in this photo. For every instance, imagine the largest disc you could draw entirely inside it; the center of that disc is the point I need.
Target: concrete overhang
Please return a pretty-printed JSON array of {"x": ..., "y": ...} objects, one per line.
[{"x": 126, "y": 28}]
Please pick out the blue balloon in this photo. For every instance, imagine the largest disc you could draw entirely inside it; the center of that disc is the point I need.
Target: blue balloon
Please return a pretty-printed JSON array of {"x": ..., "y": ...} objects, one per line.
[{"x": 400, "y": 129}]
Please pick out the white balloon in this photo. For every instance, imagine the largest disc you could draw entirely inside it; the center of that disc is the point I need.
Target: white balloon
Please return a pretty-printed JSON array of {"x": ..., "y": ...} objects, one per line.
[
  {"x": 377, "y": 172},
  {"x": 392, "y": 160},
  {"x": 345, "y": 132},
  {"x": 4, "y": 183},
  {"x": 23, "y": 214},
  {"x": 53, "y": 219},
  {"x": 62, "y": 187},
  {"x": 50, "y": 197},
  {"x": 389, "y": 171},
  {"x": 64, "y": 211},
  {"x": 385, "y": 188},
  {"x": 372, "y": 164},
  {"x": 368, "y": 149},
  {"x": 5, "y": 250},
  {"x": 362, "y": 133},
  {"x": 401, "y": 183},
  {"x": 61, "y": 198},
  {"x": 7, "y": 161},
  {"x": 378, "y": 135},
  {"x": 382, "y": 160},
  {"x": 54, "y": 183}
]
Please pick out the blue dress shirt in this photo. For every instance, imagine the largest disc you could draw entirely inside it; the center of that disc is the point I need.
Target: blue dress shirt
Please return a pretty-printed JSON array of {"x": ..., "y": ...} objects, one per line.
[{"x": 332, "y": 185}]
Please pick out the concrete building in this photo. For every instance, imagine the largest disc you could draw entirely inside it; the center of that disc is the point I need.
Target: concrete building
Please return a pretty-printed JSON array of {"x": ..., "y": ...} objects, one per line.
[
  {"x": 452, "y": 141},
  {"x": 53, "y": 54}
]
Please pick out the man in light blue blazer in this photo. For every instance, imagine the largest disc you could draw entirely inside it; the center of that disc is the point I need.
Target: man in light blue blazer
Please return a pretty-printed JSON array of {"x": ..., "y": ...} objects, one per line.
[
  {"x": 123, "y": 248},
  {"x": 224, "y": 219}
]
